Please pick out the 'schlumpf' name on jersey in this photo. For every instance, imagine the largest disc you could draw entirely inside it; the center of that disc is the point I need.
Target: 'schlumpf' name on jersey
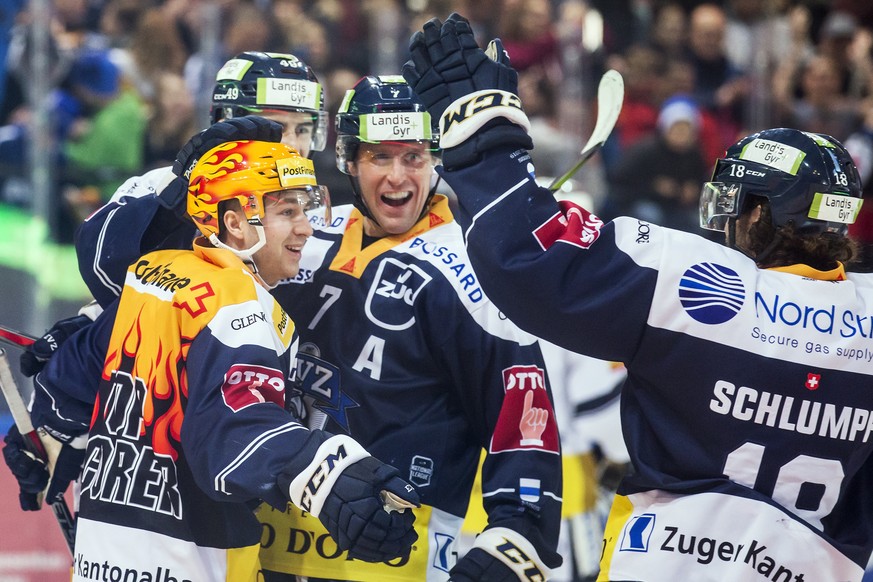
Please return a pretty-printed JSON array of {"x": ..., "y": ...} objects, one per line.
[
  {"x": 792, "y": 414},
  {"x": 463, "y": 273},
  {"x": 160, "y": 276}
]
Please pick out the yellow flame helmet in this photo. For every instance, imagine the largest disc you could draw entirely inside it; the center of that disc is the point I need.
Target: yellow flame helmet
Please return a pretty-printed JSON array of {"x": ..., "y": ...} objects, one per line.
[{"x": 246, "y": 171}]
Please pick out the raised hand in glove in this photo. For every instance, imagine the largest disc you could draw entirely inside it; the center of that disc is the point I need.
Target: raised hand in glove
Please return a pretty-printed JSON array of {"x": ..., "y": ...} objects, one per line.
[
  {"x": 473, "y": 92},
  {"x": 34, "y": 358},
  {"x": 363, "y": 503},
  {"x": 32, "y": 474},
  {"x": 175, "y": 195}
]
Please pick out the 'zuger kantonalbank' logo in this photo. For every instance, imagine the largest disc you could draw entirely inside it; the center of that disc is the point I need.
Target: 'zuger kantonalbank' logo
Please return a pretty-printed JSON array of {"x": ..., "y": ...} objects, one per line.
[{"x": 711, "y": 294}]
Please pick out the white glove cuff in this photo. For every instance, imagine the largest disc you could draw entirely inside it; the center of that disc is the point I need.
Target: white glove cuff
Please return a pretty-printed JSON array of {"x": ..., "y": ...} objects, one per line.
[
  {"x": 511, "y": 548},
  {"x": 310, "y": 488},
  {"x": 469, "y": 113}
]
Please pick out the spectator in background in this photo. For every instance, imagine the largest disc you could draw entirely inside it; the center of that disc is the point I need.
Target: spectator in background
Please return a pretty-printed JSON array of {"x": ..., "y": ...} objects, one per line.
[
  {"x": 103, "y": 144},
  {"x": 860, "y": 146},
  {"x": 658, "y": 179},
  {"x": 719, "y": 87},
  {"x": 837, "y": 39},
  {"x": 557, "y": 150},
  {"x": 527, "y": 30},
  {"x": 171, "y": 121},
  {"x": 669, "y": 34},
  {"x": 642, "y": 68},
  {"x": 821, "y": 107}
]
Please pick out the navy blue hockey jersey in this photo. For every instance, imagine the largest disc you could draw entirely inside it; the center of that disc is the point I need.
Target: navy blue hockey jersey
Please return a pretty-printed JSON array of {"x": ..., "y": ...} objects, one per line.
[{"x": 746, "y": 410}]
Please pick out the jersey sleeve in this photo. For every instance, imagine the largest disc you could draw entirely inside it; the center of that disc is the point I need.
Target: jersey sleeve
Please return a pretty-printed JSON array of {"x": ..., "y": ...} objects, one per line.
[
  {"x": 66, "y": 389},
  {"x": 237, "y": 435},
  {"x": 548, "y": 265},
  {"x": 130, "y": 225},
  {"x": 507, "y": 398}
]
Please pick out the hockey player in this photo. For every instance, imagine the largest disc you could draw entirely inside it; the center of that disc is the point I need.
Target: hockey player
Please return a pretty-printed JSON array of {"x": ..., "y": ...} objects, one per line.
[
  {"x": 747, "y": 408},
  {"x": 429, "y": 372},
  {"x": 190, "y": 426},
  {"x": 280, "y": 89}
]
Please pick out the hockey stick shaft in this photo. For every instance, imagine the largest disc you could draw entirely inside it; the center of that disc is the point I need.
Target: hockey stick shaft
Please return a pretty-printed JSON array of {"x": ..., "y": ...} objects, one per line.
[
  {"x": 610, "y": 97},
  {"x": 38, "y": 442},
  {"x": 15, "y": 338}
]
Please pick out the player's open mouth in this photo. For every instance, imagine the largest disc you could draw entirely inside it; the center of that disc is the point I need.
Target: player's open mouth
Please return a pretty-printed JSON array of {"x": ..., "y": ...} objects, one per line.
[{"x": 397, "y": 198}]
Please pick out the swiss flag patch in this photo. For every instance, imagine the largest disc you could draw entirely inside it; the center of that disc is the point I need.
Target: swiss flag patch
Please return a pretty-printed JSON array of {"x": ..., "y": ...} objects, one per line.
[
  {"x": 813, "y": 381},
  {"x": 245, "y": 385}
]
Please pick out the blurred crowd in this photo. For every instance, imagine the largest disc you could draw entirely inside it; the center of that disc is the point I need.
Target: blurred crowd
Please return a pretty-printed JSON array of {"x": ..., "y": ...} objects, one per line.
[{"x": 129, "y": 81}]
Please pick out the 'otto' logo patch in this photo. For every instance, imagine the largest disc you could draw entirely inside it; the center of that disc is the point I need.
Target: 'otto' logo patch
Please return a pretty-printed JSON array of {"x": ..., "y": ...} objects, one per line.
[
  {"x": 246, "y": 385},
  {"x": 527, "y": 420}
]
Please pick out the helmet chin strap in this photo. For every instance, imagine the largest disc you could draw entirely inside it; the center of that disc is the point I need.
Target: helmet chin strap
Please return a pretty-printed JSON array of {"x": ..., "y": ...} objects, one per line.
[{"x": 246, "y": 255}]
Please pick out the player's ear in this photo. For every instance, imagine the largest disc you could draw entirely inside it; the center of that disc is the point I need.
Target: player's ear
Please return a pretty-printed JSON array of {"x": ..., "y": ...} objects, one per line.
[{"x": 232, "y": 222}]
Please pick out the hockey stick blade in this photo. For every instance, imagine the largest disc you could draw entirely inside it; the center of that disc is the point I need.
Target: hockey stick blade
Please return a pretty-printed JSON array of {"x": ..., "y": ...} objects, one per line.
[
  {"x": 14, "y": 338},
  {"x": 38, "y": 442},
  {"x": 610, "y": 97}
]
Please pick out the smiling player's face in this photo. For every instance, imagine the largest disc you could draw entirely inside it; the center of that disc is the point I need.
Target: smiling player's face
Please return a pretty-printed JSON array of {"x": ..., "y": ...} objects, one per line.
[{"x": 394, "y": 181}]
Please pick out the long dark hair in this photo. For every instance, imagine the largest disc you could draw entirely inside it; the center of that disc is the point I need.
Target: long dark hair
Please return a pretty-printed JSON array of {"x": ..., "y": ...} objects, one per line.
[{"x": 779, "y": 247}]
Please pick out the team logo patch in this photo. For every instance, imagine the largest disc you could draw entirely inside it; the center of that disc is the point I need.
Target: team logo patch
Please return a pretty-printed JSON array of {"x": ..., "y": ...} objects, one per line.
[
  {"x": 320, "y": 381},
  {"x": 392, "y": 295},
  {"x": 637, "y": 532},
  {"x": 245, "y": 385},
  {"x": 711, "y": 294},
  {"x": 573, "y": 225},
  {"x": 527, "y": 420}
]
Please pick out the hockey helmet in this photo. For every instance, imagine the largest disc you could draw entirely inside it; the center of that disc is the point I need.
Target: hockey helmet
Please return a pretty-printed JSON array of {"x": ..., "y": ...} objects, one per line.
[
  {"x": 378, "y": 109},
  {"x": 253, "y": 82},
  {"x": 248, "y": 171},
  {"x": 809, "y": 179}
]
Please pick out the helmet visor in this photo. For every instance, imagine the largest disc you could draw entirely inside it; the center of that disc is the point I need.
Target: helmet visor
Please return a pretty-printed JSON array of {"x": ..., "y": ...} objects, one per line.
[
  {"x": 718, "y": 202},
  {"x": 313, "y": 202}
]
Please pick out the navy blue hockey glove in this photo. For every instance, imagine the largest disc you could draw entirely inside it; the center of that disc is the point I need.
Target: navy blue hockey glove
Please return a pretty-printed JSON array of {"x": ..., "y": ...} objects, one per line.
[
  {"x": 175, "y": 195},
  {"x": 30, "y": 472},
  {"x": 501, "y": 554},
  {"x": 34, "y": 358},
  {"x": 479, "y": 566},
  {"x": 363, "y": 503},
  {"x": 355, "y": 514},
  {"x": 473, "y": 92},
  {"x": 68, "y": 466}
]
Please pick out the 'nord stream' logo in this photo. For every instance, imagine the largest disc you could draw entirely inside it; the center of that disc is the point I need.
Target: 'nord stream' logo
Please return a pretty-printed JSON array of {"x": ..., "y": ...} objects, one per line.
[{"x": 710, "y": 293}]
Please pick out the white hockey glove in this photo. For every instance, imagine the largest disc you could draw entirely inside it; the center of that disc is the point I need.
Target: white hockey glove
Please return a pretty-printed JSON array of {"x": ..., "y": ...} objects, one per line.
[{"x": 361, "y": 501}]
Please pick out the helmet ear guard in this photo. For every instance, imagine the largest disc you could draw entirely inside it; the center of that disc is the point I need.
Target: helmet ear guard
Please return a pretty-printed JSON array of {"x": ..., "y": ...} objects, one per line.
[
  {"x": 809, "y": 180},
  {"x": 253, "y": 82}
]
